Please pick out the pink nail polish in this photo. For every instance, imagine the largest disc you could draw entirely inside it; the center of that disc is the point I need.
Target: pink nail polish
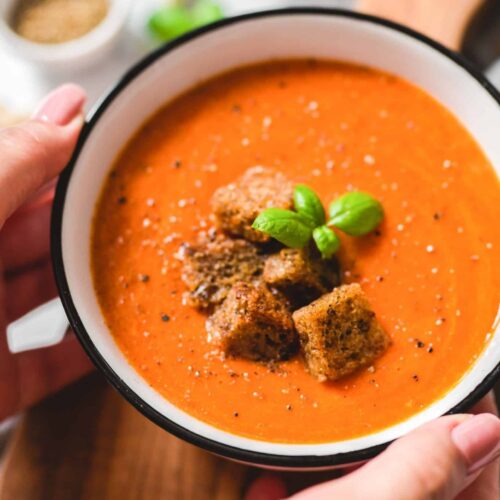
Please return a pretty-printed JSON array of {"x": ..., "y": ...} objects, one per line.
[
  {"x": 61, "y": 105},
  {"x": 478, "y": 439}
]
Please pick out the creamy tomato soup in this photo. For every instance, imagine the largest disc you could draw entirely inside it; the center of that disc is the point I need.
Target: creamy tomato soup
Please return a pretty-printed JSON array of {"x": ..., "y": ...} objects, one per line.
[{"x": 430, "y": 271}]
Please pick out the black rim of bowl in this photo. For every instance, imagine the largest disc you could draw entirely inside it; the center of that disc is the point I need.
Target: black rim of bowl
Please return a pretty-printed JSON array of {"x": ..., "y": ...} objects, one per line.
[{"x": 258, "y": 458}]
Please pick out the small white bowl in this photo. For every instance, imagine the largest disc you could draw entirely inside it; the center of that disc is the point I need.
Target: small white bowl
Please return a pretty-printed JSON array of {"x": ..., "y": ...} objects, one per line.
[
  {"x": 73, "y": 54},
  {"x": 176, "y": 67}
]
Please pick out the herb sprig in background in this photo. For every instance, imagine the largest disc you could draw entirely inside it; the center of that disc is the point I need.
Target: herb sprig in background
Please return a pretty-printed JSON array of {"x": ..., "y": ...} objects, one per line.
[{"x": 182, "y": 16}]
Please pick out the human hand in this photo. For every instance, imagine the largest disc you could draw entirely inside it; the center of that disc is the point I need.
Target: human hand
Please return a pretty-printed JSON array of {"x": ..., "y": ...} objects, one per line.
[
  {"x": 449, "y": 458},
  {"x": 32, "y": 155}
]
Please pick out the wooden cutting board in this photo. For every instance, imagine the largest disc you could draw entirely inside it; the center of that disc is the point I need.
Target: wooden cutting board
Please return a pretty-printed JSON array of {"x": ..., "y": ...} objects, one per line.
[
  {"x": 88, "y": 443},
  {"x": 443, "y": 20}
]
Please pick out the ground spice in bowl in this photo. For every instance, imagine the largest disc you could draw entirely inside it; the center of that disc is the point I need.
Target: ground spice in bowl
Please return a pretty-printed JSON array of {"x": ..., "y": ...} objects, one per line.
[{"x": 57, "y": 21}]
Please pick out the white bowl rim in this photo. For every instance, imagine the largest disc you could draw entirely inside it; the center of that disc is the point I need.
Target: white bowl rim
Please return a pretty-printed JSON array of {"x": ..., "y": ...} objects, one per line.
[{"x": 235, "y": 453}]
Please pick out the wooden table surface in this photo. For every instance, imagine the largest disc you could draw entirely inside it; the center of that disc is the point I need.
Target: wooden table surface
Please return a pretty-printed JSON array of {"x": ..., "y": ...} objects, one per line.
[{"x": 89, "y": 443}]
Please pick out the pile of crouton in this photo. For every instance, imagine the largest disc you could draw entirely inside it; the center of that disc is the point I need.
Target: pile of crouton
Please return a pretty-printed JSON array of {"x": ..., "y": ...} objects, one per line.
[{"x": 267, "y": 303}]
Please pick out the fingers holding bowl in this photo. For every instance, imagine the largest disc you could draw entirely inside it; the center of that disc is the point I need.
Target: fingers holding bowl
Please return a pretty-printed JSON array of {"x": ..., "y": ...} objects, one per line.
[{"x": 34, "y": 152}]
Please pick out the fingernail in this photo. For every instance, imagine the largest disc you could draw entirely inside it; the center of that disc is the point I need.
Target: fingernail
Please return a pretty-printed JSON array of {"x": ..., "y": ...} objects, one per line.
[
  {"x": 478, "y": 439},
  {"x": 62, "y": 105}
]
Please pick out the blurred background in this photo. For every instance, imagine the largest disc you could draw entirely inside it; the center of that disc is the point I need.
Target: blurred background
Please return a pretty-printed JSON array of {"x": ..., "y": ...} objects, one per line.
[{"x": 86, "y": 442}]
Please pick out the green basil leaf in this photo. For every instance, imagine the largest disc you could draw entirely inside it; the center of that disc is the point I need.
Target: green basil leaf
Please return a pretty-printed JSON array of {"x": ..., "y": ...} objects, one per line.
[
  {"x": 356, "y": 213},
  {"x": 308, "y": 204},
  {"x": 170, "y": 22},
  {"x": 326, "y": 240},
  {"x": 205, "y": 12},
  {"x": 288, "y": 227}
]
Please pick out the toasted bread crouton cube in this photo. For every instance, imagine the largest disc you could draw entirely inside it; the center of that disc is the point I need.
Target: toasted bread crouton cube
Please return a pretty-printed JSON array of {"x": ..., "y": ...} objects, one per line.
[
  {"x": 301, "y": 274},
  {"x": 237, "y": 205},
  {"x": 339, "y": 333},
  {"x": 254, "y": 323},
  {"x": 211, "y": 267}
]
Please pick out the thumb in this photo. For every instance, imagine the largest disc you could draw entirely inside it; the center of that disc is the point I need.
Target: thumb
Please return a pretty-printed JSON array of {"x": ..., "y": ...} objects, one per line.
[
  {"x": 435, "y": 461},
  {"x": 34, "y": 152}
]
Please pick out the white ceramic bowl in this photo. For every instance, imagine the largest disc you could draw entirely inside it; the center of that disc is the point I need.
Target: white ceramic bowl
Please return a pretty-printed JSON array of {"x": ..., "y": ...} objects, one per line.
[
  {"x": 180, "y": 65},
  {"x": 74, "y": 54}
]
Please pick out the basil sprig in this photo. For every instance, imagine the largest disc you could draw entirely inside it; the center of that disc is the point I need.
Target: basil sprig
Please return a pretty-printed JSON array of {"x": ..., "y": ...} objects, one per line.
[
  {"x": 286, "y": 226},
  {"x": 354, "y": 213},
  {"x": 307, "y": 203},
  {"x": 326, "y": 240}
]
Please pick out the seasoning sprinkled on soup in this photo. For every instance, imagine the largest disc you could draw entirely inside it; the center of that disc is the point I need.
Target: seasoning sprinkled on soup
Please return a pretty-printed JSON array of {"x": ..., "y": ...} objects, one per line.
[{"x": 415, "y": 293}]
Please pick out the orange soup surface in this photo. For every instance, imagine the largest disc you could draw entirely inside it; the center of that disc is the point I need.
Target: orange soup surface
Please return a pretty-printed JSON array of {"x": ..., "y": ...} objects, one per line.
[{"x": 430, "y": 270}]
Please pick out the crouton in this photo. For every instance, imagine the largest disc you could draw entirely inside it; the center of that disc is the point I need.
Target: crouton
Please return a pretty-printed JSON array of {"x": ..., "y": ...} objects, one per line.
[
  {"x": 254, "y": 323},
  {"x": 339, "y": 333},
  {"x": 211, "y": 267},
  {"x": 237, "y": 205},
  {"x": 301, "y": 274}
]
